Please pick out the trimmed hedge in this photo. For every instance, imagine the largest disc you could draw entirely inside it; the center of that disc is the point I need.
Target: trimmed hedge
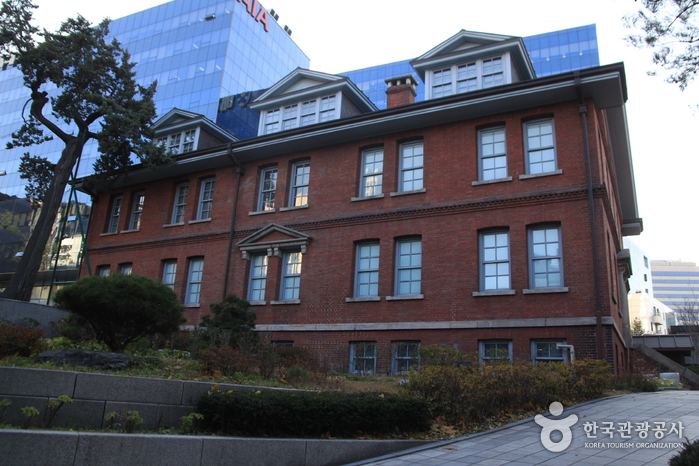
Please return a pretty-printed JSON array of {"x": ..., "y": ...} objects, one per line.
[{"x": 312, "y": 414}]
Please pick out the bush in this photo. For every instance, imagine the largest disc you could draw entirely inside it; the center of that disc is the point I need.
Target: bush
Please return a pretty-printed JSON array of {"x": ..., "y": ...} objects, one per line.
[
  {"x": 633, "y": 382},
  {"x": 312, "y": 414},
  {"x": 225, "y": 360},
  {"x": 20, "y": 340},
  {"x": 689, "y": 456},
  {"x": 121, "y": 308},
  {"x": 470, "y": 393},
  {"x": 232, "y": 317}
]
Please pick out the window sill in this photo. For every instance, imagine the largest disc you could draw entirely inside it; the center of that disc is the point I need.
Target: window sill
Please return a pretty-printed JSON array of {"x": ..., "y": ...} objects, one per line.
[
  {"x": 405, "y": 297},
  {"x": 546, "y": 290},
  {"x": 407, "y": 193},
  {"x": 367, "y": 198},
  {"x": 539, "y": 175},
  {"x": 284, "y": 209},
  {"x": 178, "y": 224},
  {"x": 109, "y": 233},
  {"x": 477, "y": 294},
  {"x": 130, "y": 231},
  {"x": 289, "y": 301},
  {"x": 262, "y": 212},
  {"x": 192, "y": 305},
  {"x": 499, "y": 180},
  {"x": 363, "y": 300},
  {"x": 199, "y": 221},
  {"x": 258, "y": 303}
]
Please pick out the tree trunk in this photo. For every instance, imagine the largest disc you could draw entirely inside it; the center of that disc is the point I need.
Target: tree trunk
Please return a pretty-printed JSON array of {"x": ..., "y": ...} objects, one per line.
[{"x": 22, "y": 282}]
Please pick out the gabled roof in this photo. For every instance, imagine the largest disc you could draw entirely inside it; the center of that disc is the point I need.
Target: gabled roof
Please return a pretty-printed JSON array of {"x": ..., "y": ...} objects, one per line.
[
  {"x": 272, "y": 238},
  {"x": 181, "y": 120},
  {"x": 303, "y": 84},
  {"x": 469, "y": 45}
]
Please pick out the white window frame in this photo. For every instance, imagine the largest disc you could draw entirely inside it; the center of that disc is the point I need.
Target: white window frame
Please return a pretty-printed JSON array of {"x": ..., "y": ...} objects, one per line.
[
  {"x": 492, "y": 149},
  {"x": 404, "y": 355},
  {"x": 300, "y": 181},
  {"x": 180, "y": 205},
  {"x": 501, "y": 348},
  {"x": 115, "y": 214},
  {"x": 366, "y": 278},
  {"x": 268, "y": 189},
  {"x": 291, "y": 275},
  {"x": 559, "y": 355},
  {"x": 362, "y": 357},
  {"x": 170, "y": 273},
  {"x": 302, "y": 113},
  {"x": 412, "y": 166},
  {"x": 545, "y": 255},
  {"x": 540, "y": 148},
  {"x": 195, "y": 276},
  {"x": 258, "y": 277},
  {"x": 139, "y": 200},
  {"x": 206, "y": 198},
  {"x": 467, "y": 76},
  {"x": 372, "y": 173},
  {"x": 408, "y": 267},
  {"x": 181, "y": 142},
  {"x": 495, "y": 260}
]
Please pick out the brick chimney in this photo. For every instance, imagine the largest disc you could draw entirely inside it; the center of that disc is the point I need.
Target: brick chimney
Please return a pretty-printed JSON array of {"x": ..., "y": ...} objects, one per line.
[{"x": 401, "y": 91}]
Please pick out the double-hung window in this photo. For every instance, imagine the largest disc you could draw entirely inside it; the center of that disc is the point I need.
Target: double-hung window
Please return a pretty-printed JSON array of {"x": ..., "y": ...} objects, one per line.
[
  {"x": 115, "y": 214},
  {"x": 291, "y": 275},
  {"x": 308, "y": 112},
  {"x": 545, "y": 262},
  {"x": 404, "y": 355},
  {"x": 409, "y": 267},
  {"x": 540, "y": 147},
  {"x": 495, "y": 260},
  {"x": 206, "y": 198},
  {"x": 178, "y": 209},
  {"x": 258, "y": 277},
  {"x": 548, "y": 351},
  {"x": 103, "y": 271},
  {"x": 492, "y": 351},
  {"x": 411, "y": 166},
  {"x": 169, "y": 273},
  {"x": 290, "y": 117},
  {"x": 327, "y": 108},
  {"x": 372, "y": 173},
  {"x": 466, "y": 77},
  {"x": 363, "y": 357},
  {"x": 194, "y": 281},
  {"x": 268, "y": 189},
  {"x": 179, "y": 143},
  {"x": 272, "y": 121},
  {"x": 137, "y": 210},
  {"x": 126, "y": 268},
  {"x": 493, "y": 154},
  {"x": 300, "y": 179},
  {"x": 300, "y": 114},
  {"x": 367, "y": 278}
]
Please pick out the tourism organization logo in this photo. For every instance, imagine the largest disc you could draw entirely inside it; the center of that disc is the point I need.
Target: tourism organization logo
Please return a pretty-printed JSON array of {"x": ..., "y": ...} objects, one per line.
[{"x": 619, "y": 434}]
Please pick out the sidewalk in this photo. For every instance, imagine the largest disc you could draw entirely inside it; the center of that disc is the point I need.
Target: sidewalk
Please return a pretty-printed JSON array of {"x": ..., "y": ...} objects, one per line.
[{"x": 519, "y": 444}]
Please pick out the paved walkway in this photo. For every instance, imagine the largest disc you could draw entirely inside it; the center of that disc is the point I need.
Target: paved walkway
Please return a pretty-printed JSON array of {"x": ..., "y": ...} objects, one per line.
[{"x": 520, "y": 443}]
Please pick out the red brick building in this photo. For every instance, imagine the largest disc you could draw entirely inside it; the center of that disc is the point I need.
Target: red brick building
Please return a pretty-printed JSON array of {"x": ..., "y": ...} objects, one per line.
[{"x": 488, "y": 217}]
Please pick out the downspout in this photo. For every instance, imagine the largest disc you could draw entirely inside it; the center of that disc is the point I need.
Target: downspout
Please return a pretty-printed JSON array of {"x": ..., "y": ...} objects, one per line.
[
  {"x": 582, "y": 108},
  {"x": 240, "y": 171}
]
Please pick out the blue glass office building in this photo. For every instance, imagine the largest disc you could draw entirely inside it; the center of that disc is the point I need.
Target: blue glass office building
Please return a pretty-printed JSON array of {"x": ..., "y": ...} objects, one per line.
[
  {"x": 198, "y": 51},
  {"x": 551, "y": 53}
]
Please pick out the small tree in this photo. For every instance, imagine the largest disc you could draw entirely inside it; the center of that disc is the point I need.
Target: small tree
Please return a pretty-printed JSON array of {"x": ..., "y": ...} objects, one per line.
[
  {"x": 123, "y": 308},
  {"x": 232, "y": 314},
  {"x": 637, "y": 327}
]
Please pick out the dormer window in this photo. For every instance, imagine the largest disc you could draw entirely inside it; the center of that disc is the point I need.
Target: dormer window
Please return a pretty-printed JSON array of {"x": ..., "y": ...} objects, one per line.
[
  {"x": 467, "y": 77},
  {"x": 179, "y": 143},
  {"x": 300, "y": 114}
]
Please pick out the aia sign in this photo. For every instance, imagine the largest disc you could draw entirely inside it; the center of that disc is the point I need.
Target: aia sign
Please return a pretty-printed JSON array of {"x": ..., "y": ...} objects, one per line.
[{"x": 257, "y": 11}]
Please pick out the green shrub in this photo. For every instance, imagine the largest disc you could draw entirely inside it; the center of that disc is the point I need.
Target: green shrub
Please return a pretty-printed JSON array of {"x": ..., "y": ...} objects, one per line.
[
  {"x": 20, "y": 340},
  {"x": 689, "y": 456},
  {"x": 633, "y": 382},
  {"x": 232, "y": 318},
  {"x": 311, "y": 414},
  {"x": 122, "y": 308}
]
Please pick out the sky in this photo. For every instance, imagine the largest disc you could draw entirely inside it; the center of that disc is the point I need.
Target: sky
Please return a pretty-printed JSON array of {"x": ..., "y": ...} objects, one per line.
[{"x": 344, "y": 35}]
